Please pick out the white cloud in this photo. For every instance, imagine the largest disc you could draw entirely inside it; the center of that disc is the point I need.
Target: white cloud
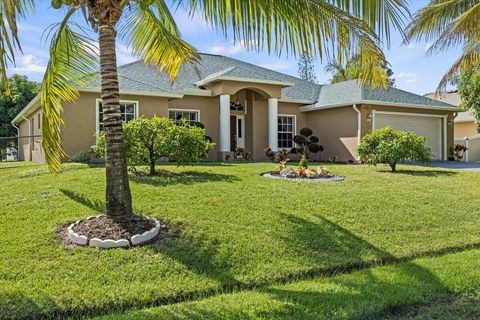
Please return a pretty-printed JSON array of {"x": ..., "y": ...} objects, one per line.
[
  {"x": 277, "y": 66},
  {"x": 406, "y": 75},
  {"x": 230, "y": 48},
  {"x": 411, "y": 46},
  {"x": 124, "y": 55},
  {"x": 427, "y": 46},
  {"x": 30, "y": 63}
]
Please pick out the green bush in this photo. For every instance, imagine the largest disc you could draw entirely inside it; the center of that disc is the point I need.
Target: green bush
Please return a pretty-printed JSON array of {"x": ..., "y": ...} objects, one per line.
[
  {"x": 303, "y": 162},
  {"x": 148, "y": 140},
  {"x": 81, "y": 156},
  {"x": 390, "y": 146}
]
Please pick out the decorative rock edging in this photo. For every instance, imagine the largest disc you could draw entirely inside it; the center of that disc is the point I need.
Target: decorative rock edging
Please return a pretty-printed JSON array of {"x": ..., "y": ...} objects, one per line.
[
  {"x": 135, "y": 240},
  {"x": 331, "y": 179}
]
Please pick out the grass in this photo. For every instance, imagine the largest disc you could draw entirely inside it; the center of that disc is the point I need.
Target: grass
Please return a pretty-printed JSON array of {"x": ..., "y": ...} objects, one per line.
[
  {"x": 230, "y": 229},
  {"x": 425, "y": 288}
]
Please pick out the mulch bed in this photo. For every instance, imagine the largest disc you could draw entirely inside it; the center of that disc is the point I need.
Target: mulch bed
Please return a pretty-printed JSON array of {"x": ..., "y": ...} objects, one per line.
[{"x": 104, "y": 227}]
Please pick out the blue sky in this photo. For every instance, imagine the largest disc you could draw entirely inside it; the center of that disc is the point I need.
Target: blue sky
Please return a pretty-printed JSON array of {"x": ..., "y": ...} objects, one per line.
[{"x": 413, "y": 70}]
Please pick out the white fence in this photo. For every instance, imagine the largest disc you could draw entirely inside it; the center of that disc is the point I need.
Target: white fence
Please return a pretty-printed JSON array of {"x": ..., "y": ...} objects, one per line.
[{"x": 473, "y": 145}]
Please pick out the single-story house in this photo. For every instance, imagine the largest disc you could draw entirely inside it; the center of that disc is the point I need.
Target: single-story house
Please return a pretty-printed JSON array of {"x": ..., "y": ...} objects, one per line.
[
  {"x": 244, "y": 105},
  {"x": 464, "y": 123},
  {"x": 465, "y": 127}
]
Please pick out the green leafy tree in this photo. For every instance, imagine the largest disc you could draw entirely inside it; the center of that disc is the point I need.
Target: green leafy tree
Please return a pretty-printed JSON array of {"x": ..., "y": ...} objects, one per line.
[
  {"x": 449, "y": 24},
  {"x": 352, "y": 70},
  {"x": 191, "y": 143},
  {"x": 306, "y": 69},
  {"x": 149, "y": 140},
  {"x": 468, "y": 85},
  {"x": 390, "y": 146},
  {"x": 149, "y": 29},
  {"x": 21, "y": 92}
]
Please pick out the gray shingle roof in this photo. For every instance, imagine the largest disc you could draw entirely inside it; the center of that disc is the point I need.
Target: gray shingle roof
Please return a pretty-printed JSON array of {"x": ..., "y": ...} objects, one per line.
[
  {"x": 141, "y": 77},
  {"x": 349, "y": 92}
]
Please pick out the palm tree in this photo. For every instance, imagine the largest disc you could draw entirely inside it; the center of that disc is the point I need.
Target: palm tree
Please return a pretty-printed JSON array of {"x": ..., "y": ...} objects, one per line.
[
  {"x": 353, "y": 69},
  {"x": 313, "y": 27},
  {"x": 10, "y": 10},
  {"x": 449, "y": 24}
]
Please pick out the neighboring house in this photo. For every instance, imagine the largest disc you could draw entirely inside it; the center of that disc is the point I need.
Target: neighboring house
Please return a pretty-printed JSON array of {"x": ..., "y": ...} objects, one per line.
[
  {"x": 465, "y": 128},
  {"x": 464, "y": 125},
  {"x": 244, "y": 105}
]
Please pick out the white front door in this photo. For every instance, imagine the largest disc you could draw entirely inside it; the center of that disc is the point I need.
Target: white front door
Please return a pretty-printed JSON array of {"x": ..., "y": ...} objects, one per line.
[{"x": 240, "y": 131}]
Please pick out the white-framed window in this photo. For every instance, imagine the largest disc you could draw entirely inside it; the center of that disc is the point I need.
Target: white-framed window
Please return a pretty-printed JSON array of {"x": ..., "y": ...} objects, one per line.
[
  {"x": 128, "y": 111},
  {"x": 286, "y": 131},
  {"x": 190, "y": 115}
]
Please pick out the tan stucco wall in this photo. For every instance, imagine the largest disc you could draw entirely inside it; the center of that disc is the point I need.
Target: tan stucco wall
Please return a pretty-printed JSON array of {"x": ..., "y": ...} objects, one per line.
[
  {"x": 337, "y": 130},
  {"x": 465, "y": 129},
  {"x": 232, "y": 87},
  {"x": 30, "y": 143},
  {"x": 366, "y": 126}
]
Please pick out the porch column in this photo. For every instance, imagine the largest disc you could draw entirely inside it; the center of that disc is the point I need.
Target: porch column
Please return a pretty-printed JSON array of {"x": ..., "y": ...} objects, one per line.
[
  {"x": 273, "y": 124},
  {"x": 225, "y": 123}
]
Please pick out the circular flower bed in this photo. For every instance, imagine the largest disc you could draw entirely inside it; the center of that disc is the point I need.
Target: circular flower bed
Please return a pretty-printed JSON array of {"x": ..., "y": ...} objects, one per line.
[
  {"x": 304, "y": 174},
  {"x": 106, "y": 232}
]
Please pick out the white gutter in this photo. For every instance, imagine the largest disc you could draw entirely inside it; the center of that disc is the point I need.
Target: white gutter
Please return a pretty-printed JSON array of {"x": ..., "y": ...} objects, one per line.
[
  {"x": 27, "y": 108},
  {"x": 314, "y": 107},
  {"x": 359, "y": 126}
]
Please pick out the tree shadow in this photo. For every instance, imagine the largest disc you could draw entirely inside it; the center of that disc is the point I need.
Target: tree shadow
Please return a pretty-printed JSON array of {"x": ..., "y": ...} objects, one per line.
[
  {"x": 422, "y": 173},
  {"x": 96, "y": 205},
  {"x": 168, "y": 178}
]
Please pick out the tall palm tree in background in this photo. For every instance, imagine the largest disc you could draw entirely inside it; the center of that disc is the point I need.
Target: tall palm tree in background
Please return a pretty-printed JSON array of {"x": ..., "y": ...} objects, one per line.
[
  {"x": 320, "y": 28},
  {"x": 449, "y": 24}
]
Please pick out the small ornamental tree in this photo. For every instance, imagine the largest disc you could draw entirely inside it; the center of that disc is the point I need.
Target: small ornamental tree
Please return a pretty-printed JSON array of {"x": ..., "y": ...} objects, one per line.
[
  {"x": 307, "y": 143},
  {"x": 148, "y": 140},
  {"x": 192, "y": 143},
  {"x": 390, "y": 146}
]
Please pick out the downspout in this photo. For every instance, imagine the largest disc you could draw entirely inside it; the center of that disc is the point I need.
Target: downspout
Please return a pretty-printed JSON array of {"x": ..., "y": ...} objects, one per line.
[{"x": 359, "y": 126}]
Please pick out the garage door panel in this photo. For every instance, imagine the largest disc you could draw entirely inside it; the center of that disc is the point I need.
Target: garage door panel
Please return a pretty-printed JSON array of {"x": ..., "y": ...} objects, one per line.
[{"x": 426, "y": 126}]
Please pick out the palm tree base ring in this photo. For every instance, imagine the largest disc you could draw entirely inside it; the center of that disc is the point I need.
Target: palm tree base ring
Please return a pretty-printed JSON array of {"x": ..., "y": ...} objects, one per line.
[{"x": 94, "y": 241}]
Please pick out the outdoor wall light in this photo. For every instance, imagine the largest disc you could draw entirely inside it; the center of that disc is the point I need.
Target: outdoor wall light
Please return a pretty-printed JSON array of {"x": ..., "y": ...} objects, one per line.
[
  {"x": 450, "y": 122},
  {"x": 369, "y": 117}
]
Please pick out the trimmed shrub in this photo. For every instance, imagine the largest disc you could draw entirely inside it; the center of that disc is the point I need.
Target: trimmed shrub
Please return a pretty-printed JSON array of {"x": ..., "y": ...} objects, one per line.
[
  {"x": 303, "y": 162},
  {"x": 390, "y": 146},
  {"x": 306, "y": 143}
]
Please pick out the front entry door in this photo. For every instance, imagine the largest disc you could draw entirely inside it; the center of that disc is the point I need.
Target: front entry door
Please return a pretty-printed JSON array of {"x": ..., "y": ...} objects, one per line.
[
  {"x": 233, "y": 133},
  {"x": 240, "y": 131}
]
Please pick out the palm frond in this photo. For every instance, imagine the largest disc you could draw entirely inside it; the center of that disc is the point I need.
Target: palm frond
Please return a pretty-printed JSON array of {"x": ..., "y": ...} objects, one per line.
[
  {"x": 469, "y": 59},
  {"x": 10, "y": 10},
  {"x": 152, "y": 34},
  {"x": 322, "y": 28},
  {"x": 379, "y": 15},
  {"x": 73, "y": 60}
]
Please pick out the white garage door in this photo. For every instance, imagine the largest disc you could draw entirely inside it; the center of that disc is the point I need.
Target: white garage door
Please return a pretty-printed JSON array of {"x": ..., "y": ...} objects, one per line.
[{"x": 426, "y": 126}]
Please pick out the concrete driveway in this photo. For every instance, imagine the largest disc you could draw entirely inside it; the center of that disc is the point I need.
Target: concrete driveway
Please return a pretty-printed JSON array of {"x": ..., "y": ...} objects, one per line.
[{"x": 454, "y": 165}]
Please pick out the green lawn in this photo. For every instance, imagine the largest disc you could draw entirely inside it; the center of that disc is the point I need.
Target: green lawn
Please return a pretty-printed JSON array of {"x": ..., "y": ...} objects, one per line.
[{"x": 230, "y": 230}]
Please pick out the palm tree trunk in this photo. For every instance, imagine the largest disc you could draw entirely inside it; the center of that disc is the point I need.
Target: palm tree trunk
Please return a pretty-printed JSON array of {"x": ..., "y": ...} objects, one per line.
[{"x": 118, "y": 196}]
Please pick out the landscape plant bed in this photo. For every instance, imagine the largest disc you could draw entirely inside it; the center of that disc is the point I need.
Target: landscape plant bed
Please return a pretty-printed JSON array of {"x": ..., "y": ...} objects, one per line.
[
  {"x": 328, "y": 178},
  {"x": 112, "y": 232}
]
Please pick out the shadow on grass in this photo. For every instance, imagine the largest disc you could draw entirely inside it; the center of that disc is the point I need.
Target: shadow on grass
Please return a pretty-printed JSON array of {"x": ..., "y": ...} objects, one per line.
[
  {"x": 96, "y": 205},
  {"x": 335, "y": 250},
  {"x": 368, "y": 294},
  {"x": 167, "y": 178},
  {"x": 422, "y": 173}
]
